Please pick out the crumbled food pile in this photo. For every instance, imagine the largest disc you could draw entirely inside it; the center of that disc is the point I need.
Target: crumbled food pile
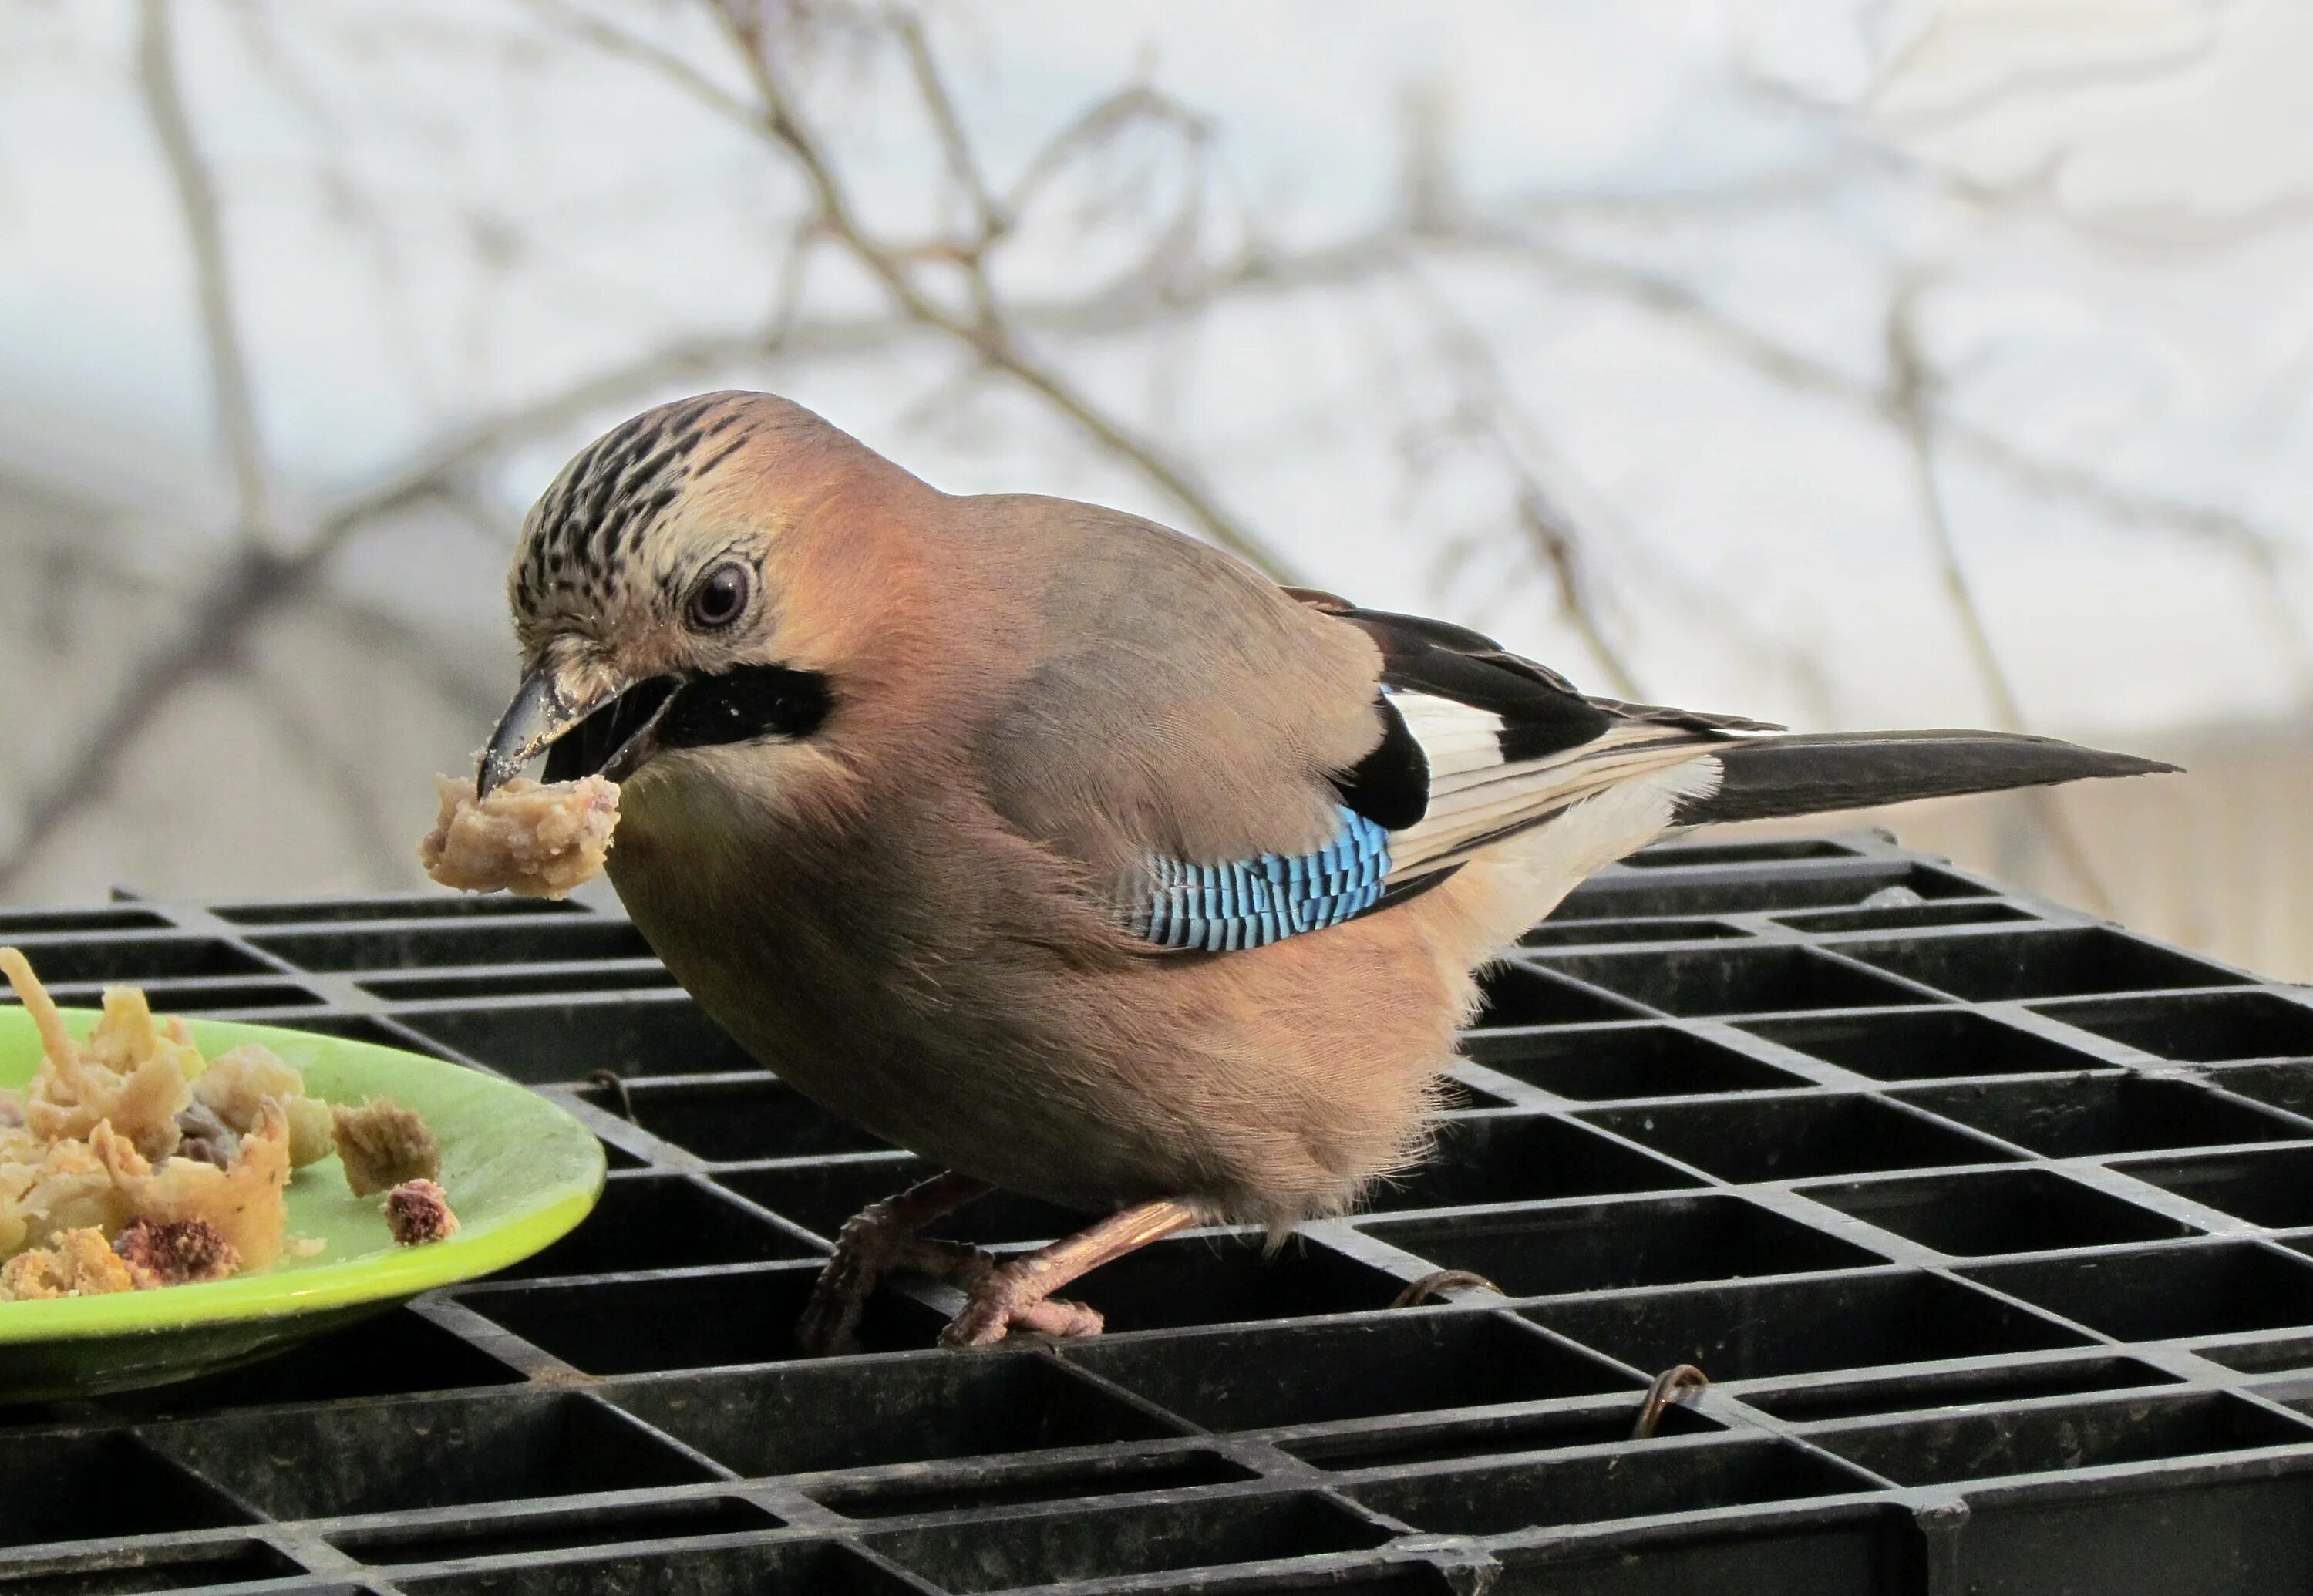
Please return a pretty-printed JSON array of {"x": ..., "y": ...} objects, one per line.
[
  {"x": 532, "y": 839},
  {"x": 418, "y": 1211},
  {"x": 129, "y": 1163},
  {"x": 383, "y": 1145}
]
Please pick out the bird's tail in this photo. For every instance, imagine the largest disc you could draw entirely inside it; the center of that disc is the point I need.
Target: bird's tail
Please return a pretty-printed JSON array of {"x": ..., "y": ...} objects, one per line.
[{"x": 1809, "y": 774}]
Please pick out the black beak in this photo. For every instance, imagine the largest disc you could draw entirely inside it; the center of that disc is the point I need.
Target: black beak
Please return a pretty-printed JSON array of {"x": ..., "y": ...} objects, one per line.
[{"x": 605, "y": 732}]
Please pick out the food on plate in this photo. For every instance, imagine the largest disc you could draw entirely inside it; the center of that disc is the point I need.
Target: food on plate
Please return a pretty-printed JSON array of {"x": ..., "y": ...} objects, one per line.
[
  {"x": 48, "y": 1188},
  {"x": 247, "y": 1200},
  {"x": 383, "y": 1145},
  {"x": 417, "y": 1212},
  {"x": 535, "y": 840},
  {"x": 173, "y": 1251},
  {"x": 130, "y": 1162},
  {"x": 80, "y": 1264},
  {"x": 131, "y": 1072},
  {"x": 233, "y": 1089}
]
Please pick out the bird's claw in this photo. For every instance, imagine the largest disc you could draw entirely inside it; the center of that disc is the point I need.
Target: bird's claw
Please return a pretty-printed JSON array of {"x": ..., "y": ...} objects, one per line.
[
  {"x": 830, "y": 1319},
  {"x": 871, "y": 1245},
  {"x": 1005, "y": 1298}
]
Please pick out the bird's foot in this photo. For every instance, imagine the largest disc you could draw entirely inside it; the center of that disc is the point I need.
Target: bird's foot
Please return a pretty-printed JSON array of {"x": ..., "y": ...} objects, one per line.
[
  {"x": 875, "y": 1241},
  {"x": 1007, "y": 1297},
  {"x": 864, "y": 1249},
  {"x": 867, "y": 1250}
]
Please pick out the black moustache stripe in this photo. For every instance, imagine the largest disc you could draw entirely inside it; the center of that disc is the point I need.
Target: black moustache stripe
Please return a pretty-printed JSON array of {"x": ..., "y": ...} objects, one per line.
[
  {"x": 743, "y": 704},
  {"x": 737, "y": 706}
]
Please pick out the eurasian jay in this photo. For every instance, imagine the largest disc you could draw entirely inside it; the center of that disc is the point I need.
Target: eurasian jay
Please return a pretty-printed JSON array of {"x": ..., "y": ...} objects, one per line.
[{"x": 1072, "y": 854}]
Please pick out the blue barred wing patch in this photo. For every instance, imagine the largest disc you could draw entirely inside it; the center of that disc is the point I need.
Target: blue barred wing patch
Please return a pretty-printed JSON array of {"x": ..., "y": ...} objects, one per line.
[{"x": 1254, "y": 901}]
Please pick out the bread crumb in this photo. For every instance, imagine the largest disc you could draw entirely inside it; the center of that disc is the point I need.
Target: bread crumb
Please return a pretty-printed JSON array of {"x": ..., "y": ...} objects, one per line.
[
  {"x": 80, "y": 1264},
  {"x": 173, "y": 1252},
  {"x": 535, "y": 841},
  {"x": 418, "y": 1211},
  {"x": 383, "y": 1144}
]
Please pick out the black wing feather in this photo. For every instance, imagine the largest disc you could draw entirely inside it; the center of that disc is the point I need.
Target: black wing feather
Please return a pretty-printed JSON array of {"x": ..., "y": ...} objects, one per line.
[
  {"x": 1390, "y": 786},
  {"x": 1536, "y": 704},
  {"x": 1541, "y": 711}
]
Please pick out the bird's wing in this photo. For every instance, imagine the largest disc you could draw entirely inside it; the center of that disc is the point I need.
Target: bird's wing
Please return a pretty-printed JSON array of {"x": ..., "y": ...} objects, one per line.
[
  {"x": 1158, "y": 707},
  {"x": 1228, "y": 763},
  {"x": 1477, "y": 744}
]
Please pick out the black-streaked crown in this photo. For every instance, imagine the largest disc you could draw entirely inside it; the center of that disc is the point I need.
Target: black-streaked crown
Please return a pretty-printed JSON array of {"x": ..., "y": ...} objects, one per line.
[{"x": 593, "y": 531}]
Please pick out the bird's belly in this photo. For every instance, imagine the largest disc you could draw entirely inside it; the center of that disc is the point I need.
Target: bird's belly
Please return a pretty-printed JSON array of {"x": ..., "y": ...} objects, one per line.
[
  {"x": 956, "y": 1093},
  {"x": 1270, "y": 1084},
  {"x": 953, "y": 1106}
]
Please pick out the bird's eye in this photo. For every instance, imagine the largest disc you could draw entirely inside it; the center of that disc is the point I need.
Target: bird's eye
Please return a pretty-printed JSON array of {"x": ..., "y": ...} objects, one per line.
[{"x": 721, "y": 594}]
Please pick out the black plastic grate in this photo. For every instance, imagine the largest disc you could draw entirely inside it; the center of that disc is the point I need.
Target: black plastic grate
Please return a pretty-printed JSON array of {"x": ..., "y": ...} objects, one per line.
[{"x": 1988, "y": 1223}]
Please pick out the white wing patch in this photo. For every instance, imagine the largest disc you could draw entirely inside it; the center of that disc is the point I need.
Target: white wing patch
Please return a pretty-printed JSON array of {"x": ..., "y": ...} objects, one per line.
[
  {"x": 1476, "y": 796},
  {"x": 1455, "y": 737}
]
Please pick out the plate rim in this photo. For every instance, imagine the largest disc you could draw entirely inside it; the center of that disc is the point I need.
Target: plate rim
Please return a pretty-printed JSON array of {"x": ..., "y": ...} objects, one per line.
[{"x": 394, "y": 1277}]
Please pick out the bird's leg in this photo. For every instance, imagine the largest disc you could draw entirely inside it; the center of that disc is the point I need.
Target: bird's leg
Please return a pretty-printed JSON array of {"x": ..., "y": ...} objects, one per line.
[
  {"x": 882, "y": 1237},
  {"x": 1018, "y": 1293}
]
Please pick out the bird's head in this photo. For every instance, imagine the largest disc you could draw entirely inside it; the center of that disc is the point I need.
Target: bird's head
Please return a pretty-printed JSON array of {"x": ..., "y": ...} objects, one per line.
[{"x": 646, "y": 590}]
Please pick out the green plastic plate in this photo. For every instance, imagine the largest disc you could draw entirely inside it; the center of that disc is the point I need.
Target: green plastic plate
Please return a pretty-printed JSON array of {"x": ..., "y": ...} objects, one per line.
[{"x": 519, "y": 1171}]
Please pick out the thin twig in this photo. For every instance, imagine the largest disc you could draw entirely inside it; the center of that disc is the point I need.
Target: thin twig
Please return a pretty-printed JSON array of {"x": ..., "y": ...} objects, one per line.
[
  {"x": 612, "y": 1081},
  {"x": 989, "y": 223},
  {"x": 2265, "y": 550},
  {"x": 1553, "y": 536},
  {"x": 989, "y": 219},
  {"x": 1491, "y": 409},
  {"x": 781, "y": 120},
  {"x": 189, "y": 174},
  {"x": 1097, "y": 122},
  {"x": 614, "y": 41},
  {"x": 1908, "y": 385},
  {"x": 1906, "y": 382},
  {"x": 1437, "y": 1282},
  {"x": 301, "y": 736}
]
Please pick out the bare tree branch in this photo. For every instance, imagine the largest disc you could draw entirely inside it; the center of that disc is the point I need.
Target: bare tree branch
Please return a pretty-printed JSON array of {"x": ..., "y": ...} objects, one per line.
[
  {"x": 779, "y": 119},
  {"x": 614, "y": 41},
  {"x": 1097, "y": 122},
  {"x": 1553, "y": 536},
  {"x": 1907, "y": 387},
  {"x": 303, "y": 737},
  {"x": 1490, "y": 410},
  {"x": 256, "y": 583},
  {"x": 989, "y": 219},
  {"x": 1906, "y": 383},
  {"x": 188, "y": 173},
  {"x": 2265, "y": 550},
  {"x": 272, "y": 571}
]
